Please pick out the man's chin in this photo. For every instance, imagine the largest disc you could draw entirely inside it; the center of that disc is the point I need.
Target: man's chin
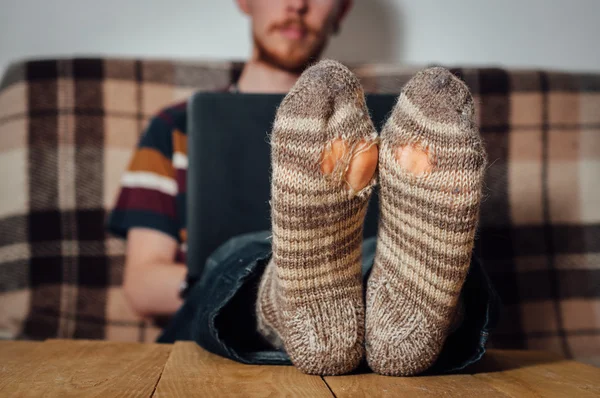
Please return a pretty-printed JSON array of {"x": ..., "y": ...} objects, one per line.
[
  {"x": 293, "y": 64},
  {"x": 294, "y": 61}
]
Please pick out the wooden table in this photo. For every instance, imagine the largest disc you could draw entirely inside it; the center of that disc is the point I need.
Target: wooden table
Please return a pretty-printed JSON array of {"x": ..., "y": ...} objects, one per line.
[{"x": 64, "y": 368}]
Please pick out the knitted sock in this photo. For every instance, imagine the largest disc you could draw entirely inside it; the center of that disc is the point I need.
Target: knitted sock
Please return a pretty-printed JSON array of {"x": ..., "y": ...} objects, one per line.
[
  {"x": 427, "y": 222},
  {"x": 310, "y": 296}
]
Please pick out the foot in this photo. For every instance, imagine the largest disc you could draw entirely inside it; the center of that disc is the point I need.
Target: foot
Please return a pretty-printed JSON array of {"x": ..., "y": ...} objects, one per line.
[
  {"x": 361, "y": 165},
  {"x": 324, "y": 158},
  {"x": 431, "y": 170}
]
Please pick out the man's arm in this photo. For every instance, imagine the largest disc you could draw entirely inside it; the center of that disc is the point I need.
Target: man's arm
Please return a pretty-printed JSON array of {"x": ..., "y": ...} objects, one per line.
[{"x": 152, "y": 279}]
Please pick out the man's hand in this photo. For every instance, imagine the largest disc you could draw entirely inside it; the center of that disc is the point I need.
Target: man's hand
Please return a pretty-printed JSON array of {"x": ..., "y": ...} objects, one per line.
[{"x": 152, "y": 278}]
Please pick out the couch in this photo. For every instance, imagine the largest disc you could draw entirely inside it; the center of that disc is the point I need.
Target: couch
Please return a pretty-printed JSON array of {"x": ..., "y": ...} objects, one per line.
[{"x": 67, "y": 128}]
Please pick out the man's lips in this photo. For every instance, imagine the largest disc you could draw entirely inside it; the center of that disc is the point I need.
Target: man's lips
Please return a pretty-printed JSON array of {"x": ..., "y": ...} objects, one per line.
[{"x": 293, "y": 32}]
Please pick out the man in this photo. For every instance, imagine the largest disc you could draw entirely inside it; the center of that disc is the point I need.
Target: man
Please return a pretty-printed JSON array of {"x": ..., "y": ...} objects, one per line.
[
  {"x": 287, "y": 36},
  {"x": 299, "y": 298}
]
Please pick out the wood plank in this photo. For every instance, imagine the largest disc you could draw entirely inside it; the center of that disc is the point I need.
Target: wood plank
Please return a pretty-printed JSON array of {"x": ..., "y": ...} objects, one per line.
[
  {"x": 193, "y": 371},
  {"x": 12, "y": 351},
  {"x": 12, "y": 354},
  {"x": 535, "y": 374},
  {"x": 87, "y": 368},
  {"x": 374, "y": 385}
]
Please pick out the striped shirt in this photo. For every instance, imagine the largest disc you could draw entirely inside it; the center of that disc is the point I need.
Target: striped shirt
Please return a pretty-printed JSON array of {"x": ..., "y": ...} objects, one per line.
[{"x": 153, "y": 189}]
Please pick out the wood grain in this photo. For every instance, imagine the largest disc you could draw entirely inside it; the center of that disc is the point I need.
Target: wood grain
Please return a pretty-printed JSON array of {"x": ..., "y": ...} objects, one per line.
[
  {"x": 11, "y": 357},
  {"x": 514, "y": 373},
  {"x": 193, "y": 371},
  {"x": 109, "y": 369},
  {"x": 85, "y": 369},
  {"x": 373, "y": 385},
  {"x": 12, "y": 351},
  {"x": 538, "y": 374}
]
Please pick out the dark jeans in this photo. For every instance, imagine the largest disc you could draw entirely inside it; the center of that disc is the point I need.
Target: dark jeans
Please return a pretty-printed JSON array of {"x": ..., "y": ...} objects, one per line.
[{"x": 219, "y": 314}]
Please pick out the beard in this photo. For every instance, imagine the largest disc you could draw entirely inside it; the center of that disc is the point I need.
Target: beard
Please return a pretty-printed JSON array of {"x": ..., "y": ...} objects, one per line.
[{"x": 297, "y": 58}]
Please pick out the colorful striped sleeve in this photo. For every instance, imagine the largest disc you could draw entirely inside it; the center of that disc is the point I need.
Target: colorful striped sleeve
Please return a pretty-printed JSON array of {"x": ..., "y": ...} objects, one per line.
[{"x": 149, "y": 186}]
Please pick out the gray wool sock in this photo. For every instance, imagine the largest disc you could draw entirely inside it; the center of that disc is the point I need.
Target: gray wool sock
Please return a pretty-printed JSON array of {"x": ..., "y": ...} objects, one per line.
[
  {"x": 310, "y": 296},
  {"x": 427, "y": 224}
]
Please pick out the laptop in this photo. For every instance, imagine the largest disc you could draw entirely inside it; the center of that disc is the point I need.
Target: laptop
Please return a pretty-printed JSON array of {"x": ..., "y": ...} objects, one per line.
[{"x": 228, "y": 186}]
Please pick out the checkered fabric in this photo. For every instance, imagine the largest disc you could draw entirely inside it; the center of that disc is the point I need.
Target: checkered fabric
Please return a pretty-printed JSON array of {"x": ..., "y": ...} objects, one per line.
[{"x": 67, "y": 129}]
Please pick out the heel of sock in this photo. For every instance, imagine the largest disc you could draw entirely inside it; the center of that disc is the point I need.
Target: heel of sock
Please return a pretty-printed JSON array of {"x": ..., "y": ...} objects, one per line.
[
  {"x": 385, "y": 319},
  {"x": 400, "y": 341},
  {"x": 327, "y": 337}
]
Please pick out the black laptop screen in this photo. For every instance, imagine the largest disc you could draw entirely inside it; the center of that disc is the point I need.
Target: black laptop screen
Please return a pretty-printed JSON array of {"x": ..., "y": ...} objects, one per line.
[{"x": 228, "y": 187}]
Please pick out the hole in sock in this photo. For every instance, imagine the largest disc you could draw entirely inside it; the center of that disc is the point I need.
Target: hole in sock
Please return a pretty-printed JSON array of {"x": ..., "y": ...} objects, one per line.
[
  {"x": 360, "y": 166},
  {"x": 334, "y": 151},
  {"x": 414, "y": 159}
]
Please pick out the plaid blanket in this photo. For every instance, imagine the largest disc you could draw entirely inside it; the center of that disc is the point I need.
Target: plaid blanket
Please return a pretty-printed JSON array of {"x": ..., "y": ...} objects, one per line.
[{"x": 67, "y": 128}]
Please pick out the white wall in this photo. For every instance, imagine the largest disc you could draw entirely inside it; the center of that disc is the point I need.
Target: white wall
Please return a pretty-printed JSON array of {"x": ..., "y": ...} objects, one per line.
[{"x": 559, "y": 34}]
